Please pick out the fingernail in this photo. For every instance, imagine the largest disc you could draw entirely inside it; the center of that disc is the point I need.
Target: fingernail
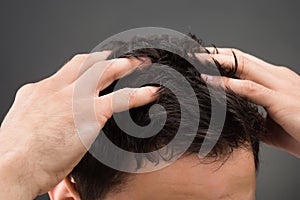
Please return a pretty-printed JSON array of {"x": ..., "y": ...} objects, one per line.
[
  {"x": 206, "y": 78},
  {"x": 153, "y": 89}
]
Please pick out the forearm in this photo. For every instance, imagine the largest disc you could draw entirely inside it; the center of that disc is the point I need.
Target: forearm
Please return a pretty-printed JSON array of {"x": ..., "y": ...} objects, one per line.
[
  {"x": 285, "y": 142},
  {"x": 280, "y": 139},
  {"x": 15, "y": 179}
]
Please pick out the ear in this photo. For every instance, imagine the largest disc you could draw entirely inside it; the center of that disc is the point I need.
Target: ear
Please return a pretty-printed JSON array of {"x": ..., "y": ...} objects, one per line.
[{"x": 65, "y": 190}]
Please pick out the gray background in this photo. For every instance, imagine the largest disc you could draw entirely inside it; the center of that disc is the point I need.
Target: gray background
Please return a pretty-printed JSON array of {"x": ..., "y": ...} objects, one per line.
[{"x": 37, "y": 37}]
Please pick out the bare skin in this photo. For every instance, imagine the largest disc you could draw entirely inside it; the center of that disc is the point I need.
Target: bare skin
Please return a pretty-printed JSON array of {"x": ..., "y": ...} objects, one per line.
[
  {"x": 31, "y": 135},
  {"x": 188, "y": 178},
  {"x": 40, "y": 124},
  {"x": 276, "y": 88}
]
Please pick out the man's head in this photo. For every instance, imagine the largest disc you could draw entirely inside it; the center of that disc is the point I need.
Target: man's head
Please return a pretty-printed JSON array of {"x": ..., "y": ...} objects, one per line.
[{"x": 228, "y": 172}]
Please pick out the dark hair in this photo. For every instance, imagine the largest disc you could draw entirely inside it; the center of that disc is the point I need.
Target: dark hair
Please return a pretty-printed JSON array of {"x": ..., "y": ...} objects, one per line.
[{"x": 243, "y": 127}]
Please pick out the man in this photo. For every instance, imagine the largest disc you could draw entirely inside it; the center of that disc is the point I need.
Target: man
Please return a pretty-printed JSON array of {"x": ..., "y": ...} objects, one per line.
[
  {"x": 229, "y": 170},
  {"x": 40, "y": 145}
]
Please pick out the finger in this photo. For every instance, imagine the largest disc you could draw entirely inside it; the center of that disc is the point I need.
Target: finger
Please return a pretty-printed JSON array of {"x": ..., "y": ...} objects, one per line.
[
  {"x": 119, "y": 68},
  {"x": 78, "y": 65},
  {"x": 228, "y": 51},
  {"x": 250, "y": 90},
  {"x": 246, "y": 69},
  {"x": 103, "y": 73},
  {"x": 287, "y": 75},
  {"x": 123, "y": 99}
]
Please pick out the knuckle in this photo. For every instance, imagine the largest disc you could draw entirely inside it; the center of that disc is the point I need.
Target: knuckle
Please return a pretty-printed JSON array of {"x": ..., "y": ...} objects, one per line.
[
  {"x": 46, "y": 84},
  {"x": 285, "y": 69},
  {"x": 268, "y": 92},
  {"x": 103, "y": 118},
  {"x": 132, "y": 98},
  {"x": 249, "y": 87},
  {"x": 128, "y": 95},
  {"x": 123, "y": 94},
  {"x": 79, "y": 58},
  {"x": 240, "y": 55},
  {"x": 243, "y": 62},
  {"x": 237, "y": 51},
  {"x": 223, "y": 81},
  {"x": 241, "y": 59},
  {"x": 125, "y": 61},
  {"x": 111, "y": 71},
  {"x": 26, "y": 87},
  {"x": 130, "y": 61}
]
